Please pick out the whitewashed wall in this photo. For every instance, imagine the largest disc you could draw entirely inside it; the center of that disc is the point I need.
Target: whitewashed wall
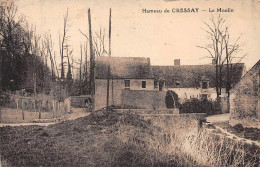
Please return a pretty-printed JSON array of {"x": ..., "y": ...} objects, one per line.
[
  {"x": 118, "y": 86},
  {"x": 187, "y": 93}
]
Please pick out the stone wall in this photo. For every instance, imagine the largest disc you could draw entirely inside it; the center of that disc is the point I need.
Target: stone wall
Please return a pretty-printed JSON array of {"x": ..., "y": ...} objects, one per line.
[
  {"x": 148, "y": 111},
  {"x": 244, "y": 100},
  {"x": 142, "y": 99},
  {"x": 185, "y": 123},
  {"x": 101, "y": 93},
  {"x": 116, "y": 86},
  {"x": 136, "y": 84},
  {"x": 222, "y": 105}
]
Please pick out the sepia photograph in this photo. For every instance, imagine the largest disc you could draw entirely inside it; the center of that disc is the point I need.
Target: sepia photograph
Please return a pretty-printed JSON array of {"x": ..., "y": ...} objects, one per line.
[{"x": 133, "y": 83}]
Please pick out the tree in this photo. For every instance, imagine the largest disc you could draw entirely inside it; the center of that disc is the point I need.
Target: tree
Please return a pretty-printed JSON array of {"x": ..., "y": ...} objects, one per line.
[
  {"x": 216, "y": 34},
  {"x": 99, "y": 42},
  {"x": 63, "y": 41},
  {"x": 12, "y": 47},
  {"x": 48, "y": 46},
  {"x": 80, "y": 70},
  {"x": 221, "y": 51},
  {"x": 69, "y": 79},
  {"x": 21, "y": 62},
  {"x": 231, "y": 51}
]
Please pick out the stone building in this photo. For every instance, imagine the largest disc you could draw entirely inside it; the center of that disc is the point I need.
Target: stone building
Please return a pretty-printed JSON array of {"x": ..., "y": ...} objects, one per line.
[
  {"x": 126, "y": 73},
  {"x": 195, "y": 81},
  {"x": 134, "y": 81},
  {"x": 244, "y": 99}
]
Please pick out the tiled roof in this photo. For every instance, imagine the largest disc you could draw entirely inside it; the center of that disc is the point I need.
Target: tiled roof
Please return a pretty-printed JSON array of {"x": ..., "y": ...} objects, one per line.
[
  {"x": 190, "y": 76},
  {"x": 255, "y": 68},
  {"x": 123, "y": 67},
  {"x": 186, "y": 76}
]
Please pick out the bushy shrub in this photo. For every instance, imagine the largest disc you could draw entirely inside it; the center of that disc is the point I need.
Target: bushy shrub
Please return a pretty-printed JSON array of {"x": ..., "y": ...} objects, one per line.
[
  {"x": 197, "y": 106},
  {"x": 170, "y": 103},
  {"x": 4, "y": 99}
]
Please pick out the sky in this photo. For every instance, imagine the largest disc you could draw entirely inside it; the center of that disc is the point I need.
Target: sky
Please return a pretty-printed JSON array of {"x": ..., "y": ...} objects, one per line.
[{"x": 162, "y": 37}]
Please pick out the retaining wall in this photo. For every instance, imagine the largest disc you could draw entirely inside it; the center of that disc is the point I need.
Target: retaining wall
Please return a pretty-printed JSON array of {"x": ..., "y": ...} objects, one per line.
[
  {"x": 171, "y": 123},
  {"x": 186, "y": 135},
  {"x": 148, "y": 111},
  {"x": 144, "y": 99}
]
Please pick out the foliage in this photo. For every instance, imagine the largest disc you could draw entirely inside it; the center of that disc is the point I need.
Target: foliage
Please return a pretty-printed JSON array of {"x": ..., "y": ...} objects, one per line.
[
  {"x": 172, "y": 99},
  {"x": 116, "y": 140},
  {"x": 5, "y": 99},
  {"x": 121, "y": 140},
  {"x": 197, "y": 106},
  {"x": 21, "y": 65}
]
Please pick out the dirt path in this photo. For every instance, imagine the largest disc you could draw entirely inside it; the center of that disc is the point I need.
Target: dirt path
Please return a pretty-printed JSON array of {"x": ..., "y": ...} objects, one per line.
[
  {"x": 25, "y": 124},
  {"x": 75, "y": 114}
]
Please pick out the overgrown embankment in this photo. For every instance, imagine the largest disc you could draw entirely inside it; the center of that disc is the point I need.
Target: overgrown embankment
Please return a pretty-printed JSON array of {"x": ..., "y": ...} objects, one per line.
[
  {"x": 114, "y": 140},
  {"x": 202, "y": 144},
  {"x": 99, "y": 140}
]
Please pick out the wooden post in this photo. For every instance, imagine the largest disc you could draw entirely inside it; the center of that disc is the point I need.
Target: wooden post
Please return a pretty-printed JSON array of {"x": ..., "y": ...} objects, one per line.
[
  {"x": 40, "y": 114},
  {"x": 17, "y": 103},
  {"x": 53, "y": 108},
  {"x": 57, "y": 108},
  {"x": 22, "y": 107},
  {"x": 34, "y": 104},
  {"x": 92, "y": 65},
  {"x": 112, "y": 84},
  {"x": 34, "y": 84},
  {"x": 109, "y": 55}
]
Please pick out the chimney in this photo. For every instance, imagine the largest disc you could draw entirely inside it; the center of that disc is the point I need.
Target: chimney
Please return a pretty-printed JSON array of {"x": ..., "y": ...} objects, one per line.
[{"x": 177, "y": 62}]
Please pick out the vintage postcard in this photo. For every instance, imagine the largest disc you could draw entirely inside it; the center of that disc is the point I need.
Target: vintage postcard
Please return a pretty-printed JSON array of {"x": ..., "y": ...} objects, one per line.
[{"x": 133, "y": 83}]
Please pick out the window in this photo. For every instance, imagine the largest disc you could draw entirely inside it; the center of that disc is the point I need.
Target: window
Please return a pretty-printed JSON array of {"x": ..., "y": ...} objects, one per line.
[
  {"x": 155, "y": 84},
  {"x": 177, "y": 83},
  {"x": 204, "y": 85},
  {"x": 204, "y": 96},
  {"x": 143, "y": 84},
  {"x": 127, "y": 83}
]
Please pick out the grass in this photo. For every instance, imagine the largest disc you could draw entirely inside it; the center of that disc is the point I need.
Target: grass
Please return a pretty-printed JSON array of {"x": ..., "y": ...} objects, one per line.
[
  {"x": 216, "y": 149},
  {"x": 119, "y": 140},
  {"x": 99, "y": 140}
]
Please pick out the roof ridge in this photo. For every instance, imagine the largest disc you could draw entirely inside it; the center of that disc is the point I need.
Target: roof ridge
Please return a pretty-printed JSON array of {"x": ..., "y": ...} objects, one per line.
[
  {"x": 121, "y": 57},
  {"x": 188, "y": 65}
]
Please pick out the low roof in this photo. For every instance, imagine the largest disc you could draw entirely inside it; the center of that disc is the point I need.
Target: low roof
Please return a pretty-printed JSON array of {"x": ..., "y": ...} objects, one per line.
[
  {"x": 187, "y": 76},
  {"x": 190, "y": 76},
  {"x": 255, "y": 68},
  {"x": 123, "y": 67}
]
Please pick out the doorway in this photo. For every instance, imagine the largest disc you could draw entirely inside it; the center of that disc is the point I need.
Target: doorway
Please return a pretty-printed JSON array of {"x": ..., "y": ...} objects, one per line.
[{"x": 161, "y": 86}]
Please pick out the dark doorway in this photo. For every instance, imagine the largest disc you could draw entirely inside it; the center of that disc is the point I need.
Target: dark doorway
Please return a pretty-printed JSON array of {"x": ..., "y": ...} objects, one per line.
[{"x": 160, "y": 86}]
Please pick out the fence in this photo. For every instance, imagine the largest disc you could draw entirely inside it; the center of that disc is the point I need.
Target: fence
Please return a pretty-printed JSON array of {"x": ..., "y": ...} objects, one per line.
[{"x": 21, "y": 108}]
